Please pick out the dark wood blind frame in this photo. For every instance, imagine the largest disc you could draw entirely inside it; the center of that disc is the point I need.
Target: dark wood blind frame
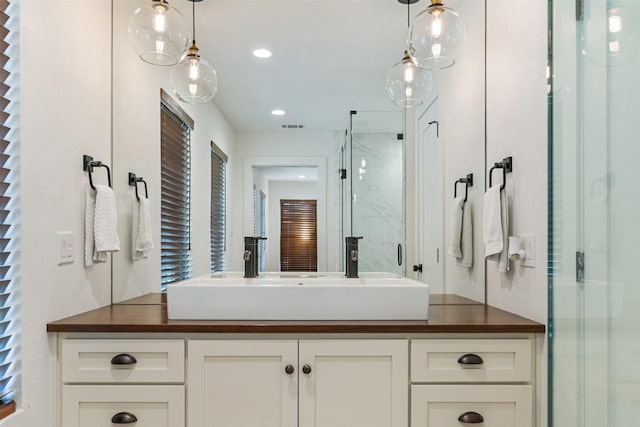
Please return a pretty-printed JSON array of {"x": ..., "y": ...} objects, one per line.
[
  {"x": 218, "y": 208},
  {"x": 9, "y": 241},
  {"x": 298, "y": 235},
  {"x": 175, "y": 257}
]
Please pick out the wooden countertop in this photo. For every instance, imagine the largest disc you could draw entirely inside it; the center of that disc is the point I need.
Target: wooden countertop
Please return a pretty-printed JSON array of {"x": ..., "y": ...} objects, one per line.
[{"x": 152, "y": 318}]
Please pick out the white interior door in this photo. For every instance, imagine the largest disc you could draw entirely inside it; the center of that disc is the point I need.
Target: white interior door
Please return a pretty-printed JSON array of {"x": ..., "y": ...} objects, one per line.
[{"x": 430, "y": 181}]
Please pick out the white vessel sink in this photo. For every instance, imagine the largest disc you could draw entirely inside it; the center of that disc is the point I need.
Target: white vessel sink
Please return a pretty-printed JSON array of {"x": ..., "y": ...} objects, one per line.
[{"x": 276, "y": 296}]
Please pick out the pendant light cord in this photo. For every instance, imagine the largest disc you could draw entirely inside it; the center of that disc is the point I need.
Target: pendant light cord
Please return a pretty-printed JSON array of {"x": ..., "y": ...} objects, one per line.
[
  {"x": 408, "y": 14},
  {"x": 193, "y": 11}
]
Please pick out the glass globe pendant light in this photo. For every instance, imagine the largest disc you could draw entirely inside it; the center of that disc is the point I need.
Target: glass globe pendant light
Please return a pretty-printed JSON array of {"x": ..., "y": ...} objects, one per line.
[
  {"x": 433, "y": 36},
  {"x": 193, "y": 80},
  {"x": 408, "y": 85},
  {"x": 158, "y": 33}
]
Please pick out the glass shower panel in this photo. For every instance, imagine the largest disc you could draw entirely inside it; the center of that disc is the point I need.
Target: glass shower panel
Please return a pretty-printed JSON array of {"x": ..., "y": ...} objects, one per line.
[
  {"x": 594, "y": 229},
  {"x": 377, "y": 190}
]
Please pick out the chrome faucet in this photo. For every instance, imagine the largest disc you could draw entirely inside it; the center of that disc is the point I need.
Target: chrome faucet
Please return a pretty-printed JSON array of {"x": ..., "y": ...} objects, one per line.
[
  {"x": 351, "y": 244},
  {"x": 251, "y": 256}
]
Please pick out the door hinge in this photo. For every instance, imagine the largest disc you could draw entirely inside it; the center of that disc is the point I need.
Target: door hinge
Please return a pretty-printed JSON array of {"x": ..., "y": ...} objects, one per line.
[{"x": 580, "y": 267}]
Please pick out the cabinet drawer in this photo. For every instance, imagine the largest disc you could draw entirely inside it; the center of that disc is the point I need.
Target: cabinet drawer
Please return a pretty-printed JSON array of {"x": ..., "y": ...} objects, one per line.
[
  {"x": 90, "y": 361},
  {"x": 152, "y": 406},
  {"x": 498, "y": 405},
  {"x": 437, "y": 361}
]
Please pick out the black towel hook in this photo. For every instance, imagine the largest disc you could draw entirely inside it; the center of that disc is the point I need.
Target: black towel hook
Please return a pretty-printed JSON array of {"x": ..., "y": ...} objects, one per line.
[
  {"x": 468, "y": 182},
  {"x": 507, "y": 167},
  {"x": 134, "y": 180},
  {"x": 88, "y": 164}
]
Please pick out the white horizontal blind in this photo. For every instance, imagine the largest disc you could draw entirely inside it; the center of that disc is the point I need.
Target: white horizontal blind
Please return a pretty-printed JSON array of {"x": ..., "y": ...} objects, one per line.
[
  {"x": 218, "y": 208},
  {"x": 9, "y": 208},
  {"x": 175, "y": 258}
]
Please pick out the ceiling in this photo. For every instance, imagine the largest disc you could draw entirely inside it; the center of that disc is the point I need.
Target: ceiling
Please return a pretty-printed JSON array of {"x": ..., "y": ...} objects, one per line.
[{"x": 329, "y": 57}]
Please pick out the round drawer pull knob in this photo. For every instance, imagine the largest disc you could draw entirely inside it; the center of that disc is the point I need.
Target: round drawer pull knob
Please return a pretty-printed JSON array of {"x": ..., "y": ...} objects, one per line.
[
  {"x": 123, "y": 359},
  {"x": 124, "y": 418},
  {"x": 306, "y": 369},
  {"x": 289, "y": 369},
  {"x": 470, "y": 359},
  {"x": 471, "y": 418}
]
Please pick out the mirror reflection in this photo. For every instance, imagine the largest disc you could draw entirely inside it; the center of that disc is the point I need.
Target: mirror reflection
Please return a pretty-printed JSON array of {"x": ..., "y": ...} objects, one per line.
[{"x": 327, "y": 74}]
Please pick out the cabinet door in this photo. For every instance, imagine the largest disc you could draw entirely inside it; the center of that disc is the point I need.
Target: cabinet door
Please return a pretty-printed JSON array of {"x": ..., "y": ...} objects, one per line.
[
  {"x": 448, "y": 405},
  {"x": 242, "y": 383},
  {"x": 353, "y": 383},
  {"x": 96, "y": 405}
]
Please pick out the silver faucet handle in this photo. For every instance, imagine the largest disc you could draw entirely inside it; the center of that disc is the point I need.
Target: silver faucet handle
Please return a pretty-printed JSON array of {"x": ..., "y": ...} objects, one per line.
[{"x": 247, "y": 255}]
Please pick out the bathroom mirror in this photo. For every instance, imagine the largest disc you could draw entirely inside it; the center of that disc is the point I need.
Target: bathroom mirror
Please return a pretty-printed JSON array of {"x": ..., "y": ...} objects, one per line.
[{"x": 343, "y": 48}]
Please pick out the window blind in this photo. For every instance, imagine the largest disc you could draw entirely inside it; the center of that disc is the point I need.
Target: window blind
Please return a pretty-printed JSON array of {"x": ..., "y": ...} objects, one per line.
[
  {"x": 298, "y": 235},
  {"x": 9, "y": 202},
  {"x": 263, "y": 232},
  {"x": 175, "y": 134},
  {"x": 218, "y": 208}
]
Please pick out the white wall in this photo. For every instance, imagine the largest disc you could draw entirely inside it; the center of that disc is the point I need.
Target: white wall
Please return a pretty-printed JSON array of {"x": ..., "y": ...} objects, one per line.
[
  {"x": 136, "y": 148},
  {"x": 517, "y": 127},
  {"x": 65, "y": 113},
  {"x": 461, "y": 97},
  {"x": 280, "y": 149}
]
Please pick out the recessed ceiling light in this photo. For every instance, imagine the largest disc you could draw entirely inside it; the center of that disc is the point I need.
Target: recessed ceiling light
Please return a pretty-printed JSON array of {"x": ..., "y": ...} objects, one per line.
[
  {"x": 278, "y": 112},
  {"x": 262, "y": 53},
  {"x": 301, "y": 176}
]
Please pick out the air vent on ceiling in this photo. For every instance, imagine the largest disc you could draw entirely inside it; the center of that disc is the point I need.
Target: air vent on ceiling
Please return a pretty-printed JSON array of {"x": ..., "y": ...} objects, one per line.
[{"x": 292, "y": 126}]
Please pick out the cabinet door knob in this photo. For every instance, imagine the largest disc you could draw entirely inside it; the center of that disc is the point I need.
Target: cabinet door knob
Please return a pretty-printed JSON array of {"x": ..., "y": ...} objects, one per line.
[
  {"x": 470, "y": 359},
  {"x": 289, "y": 369},
  {"x": 306, "y": 369},
  {"x": 471, "y": 418},
  {"x": 124, "y": 418},
  {"x": 123, "y": 359}
]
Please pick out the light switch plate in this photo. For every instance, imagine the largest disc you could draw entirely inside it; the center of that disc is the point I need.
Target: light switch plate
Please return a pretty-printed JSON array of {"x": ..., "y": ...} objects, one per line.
[
  {"x": 529, "y": 245},
  {"x": 65, "y": 247}
]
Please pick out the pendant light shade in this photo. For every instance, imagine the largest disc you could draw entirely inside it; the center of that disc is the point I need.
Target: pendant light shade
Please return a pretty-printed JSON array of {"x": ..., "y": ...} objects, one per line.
[
  {"x": 158, "y": 33},
  {"x": 408, "y": 85},
  {"x": 193, "y": 80},
  {"x": 433, "y": 36}
]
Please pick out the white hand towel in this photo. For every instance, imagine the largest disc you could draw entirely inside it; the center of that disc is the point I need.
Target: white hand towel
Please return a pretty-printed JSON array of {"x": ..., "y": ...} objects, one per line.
[
  {"x": 136, "y": 255},
  {"x": 90, "y": 257},
  {"x": 105, "y": 221},
  {"x": 454, "y": 248},
  {"x": 141, "y": 238},
  {"x": 466, "y": 241},
  {"x": 503, "y": 261},
  {"x": 492, "y": 222}
]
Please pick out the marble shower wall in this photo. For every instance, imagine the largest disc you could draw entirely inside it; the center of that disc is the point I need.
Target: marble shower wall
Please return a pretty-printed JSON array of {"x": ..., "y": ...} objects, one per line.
[{"x": 377, "y": 200}]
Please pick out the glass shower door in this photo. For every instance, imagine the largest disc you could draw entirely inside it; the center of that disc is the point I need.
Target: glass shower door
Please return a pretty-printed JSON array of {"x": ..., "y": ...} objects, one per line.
[
  {"x": 377, "y": 190},
  {"x": 594, "y": 228}
]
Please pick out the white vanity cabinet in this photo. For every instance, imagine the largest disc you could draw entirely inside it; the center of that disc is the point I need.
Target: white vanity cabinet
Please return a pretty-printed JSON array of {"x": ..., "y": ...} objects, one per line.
[
  {"x": 467, "y": 362},
  {"x": 306, "y": 383},
  {"x": 112, "y": 382},
  {"x": 457, "y": 382}
]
